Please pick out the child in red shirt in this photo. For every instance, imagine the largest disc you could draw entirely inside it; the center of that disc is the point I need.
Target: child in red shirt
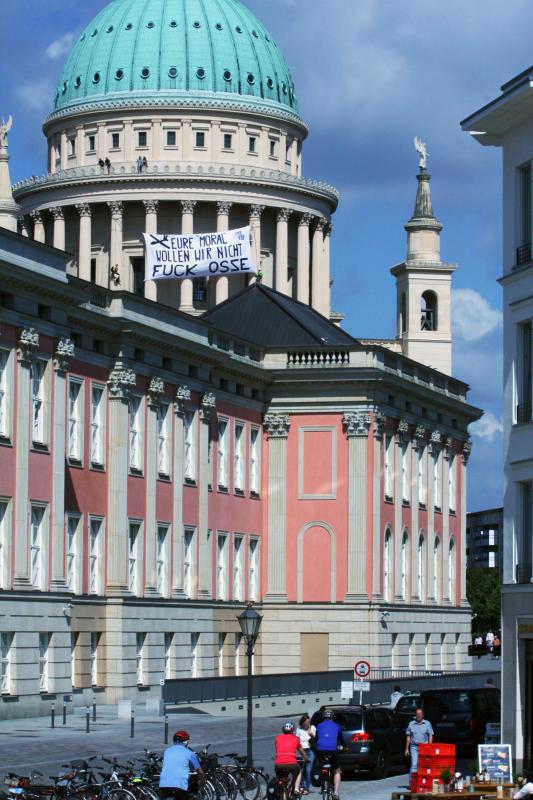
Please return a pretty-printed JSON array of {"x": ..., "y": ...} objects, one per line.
[{"x": 287, "y": 746}]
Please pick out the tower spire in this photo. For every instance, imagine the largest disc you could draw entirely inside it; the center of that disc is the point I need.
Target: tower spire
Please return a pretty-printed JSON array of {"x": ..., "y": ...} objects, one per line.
[{"x": 8, "y": 208}]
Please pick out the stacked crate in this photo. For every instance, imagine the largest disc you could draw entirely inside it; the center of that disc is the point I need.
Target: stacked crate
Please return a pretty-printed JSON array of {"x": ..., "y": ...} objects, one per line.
[{"x": 433, "y": 759}]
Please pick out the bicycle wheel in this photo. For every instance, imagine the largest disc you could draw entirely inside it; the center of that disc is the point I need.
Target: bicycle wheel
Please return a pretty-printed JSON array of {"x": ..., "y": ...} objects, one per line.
[
  {"x": 248, "y": 785},
  {"x": 120, "y": 794},
  {"x": 206, "y": 791},
  {"x": 221, "y": 787},
  {"x": 263, "y": 781},
  {"x": 229, "y": 778}
]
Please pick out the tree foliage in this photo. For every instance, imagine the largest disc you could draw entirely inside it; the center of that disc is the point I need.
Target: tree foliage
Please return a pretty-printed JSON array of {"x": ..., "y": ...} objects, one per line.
[{"x": 483, "y": 590}]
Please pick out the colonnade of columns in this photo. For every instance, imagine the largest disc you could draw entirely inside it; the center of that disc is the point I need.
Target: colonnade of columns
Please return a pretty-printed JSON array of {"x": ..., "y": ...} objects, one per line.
[{"x": 313, "y": 248}]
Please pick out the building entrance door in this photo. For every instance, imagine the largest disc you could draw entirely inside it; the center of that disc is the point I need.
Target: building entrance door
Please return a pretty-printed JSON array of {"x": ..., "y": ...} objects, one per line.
[{"x": 314, "y": 652}]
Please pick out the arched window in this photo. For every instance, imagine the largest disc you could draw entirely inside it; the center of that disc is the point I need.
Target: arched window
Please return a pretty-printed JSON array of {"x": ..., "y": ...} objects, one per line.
[
  {"x": 428, "y": 312},
  {"x": 436, "y": 570},
  {"x": 451, "y": 571},
  {"x": 403, "y": 313},
  {"x": 404, "y": 565},
  {"x": 387, "y": 566},
  {"x": 420, "y": 566}
]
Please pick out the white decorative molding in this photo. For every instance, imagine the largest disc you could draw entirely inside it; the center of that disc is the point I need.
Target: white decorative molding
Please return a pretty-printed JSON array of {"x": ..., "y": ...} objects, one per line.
[
  {"x": 84, "y": 209},
  {"x": 284, "y": 214},
  {"x": 188, "y": 206},
  {"x": 305, "y": 220},
  {"x": 466, "y": 451},
  {"x": 356, "y": 423},
  {"x": 65, "y": 350},
  {"x": 121, "y": 381},
  {"x": 37, "y": 217},
  {"x": 57, "y": 212},
  {"x": 448, "y": 448},
  {"x": 419, "y": 437},
  {"x": 208, "y": 406},
  {"x": 435, "y": 441},
  {"x": 378, "y": 423},
  {"x": 182, "y": 398},
  {"x": 27, "y": 344},
  {"x": 402, "y": 431},
  {"x": 223, "y": 208},
  {"x": 155, "y": 391},
  {"x": 117, "y": 208},
  {"x": 151, "y": 206},
  {"x": 256, "y": 211},
  {"x": 277, "y": 425}
]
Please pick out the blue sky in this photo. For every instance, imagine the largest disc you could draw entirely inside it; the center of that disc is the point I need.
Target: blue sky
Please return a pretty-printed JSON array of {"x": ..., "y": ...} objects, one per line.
[{"x": 370, "y": 74}]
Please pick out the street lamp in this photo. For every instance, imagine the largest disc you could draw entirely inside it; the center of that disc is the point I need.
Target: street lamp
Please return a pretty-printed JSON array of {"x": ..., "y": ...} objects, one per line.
[{"x": 250, "y": 622}]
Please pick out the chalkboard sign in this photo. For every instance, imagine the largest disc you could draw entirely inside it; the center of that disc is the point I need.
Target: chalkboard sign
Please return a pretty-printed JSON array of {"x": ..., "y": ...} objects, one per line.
[{"x": 496, "y": 760}]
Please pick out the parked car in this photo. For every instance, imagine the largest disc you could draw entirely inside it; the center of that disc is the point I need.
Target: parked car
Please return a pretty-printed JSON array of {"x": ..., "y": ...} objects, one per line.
[
  {"x": 457, "y": 715},
  {"x": 373, "y": 737}
]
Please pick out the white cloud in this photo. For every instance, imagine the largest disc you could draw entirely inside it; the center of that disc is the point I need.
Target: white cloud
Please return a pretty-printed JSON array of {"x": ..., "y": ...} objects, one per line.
[
  {"x": 60, "y": 46},
  {"x": 36, "y": 95},
  {"x": 488, "y": 427},
  {"x": 472, "y": 316}
]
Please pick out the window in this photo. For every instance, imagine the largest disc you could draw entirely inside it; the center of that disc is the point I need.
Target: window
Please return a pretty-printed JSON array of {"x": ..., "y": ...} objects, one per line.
[
  {"x": 73, "y": 658},
  {"x": 406, "y": 477},
  {"x": 388, "y": 465},
  {"x": 133, "y": 557},
  {"x": 6, "y": 642},
  {"x": 142, "y": 139},
  {"x": 163, "y": 439},
  {"x": 524, "y": 248},
  {"x": 420, "y": 567},
  {"x": 75, "y": 419},
  {"x": 5, "y": 427},
  {"x": 228, "y": 141},
  {"x": 238, "y": 457},
  {"x": 238, "y": 572},
  {"x": 171, "y": 138},
  {"x": 222, "y": 567},
  {"x": 72, "y": 147},
  {"x": 428, "y": 312},
  {"x": 169, "y": 637},
  {"x": 272, "y": 148},
  {"x": 73, "y": 553},
  {"x": 387, "y": 567},
  {"x": 437, "y": 500},
  {"x": 4, "y": 533},
  {"x": 97, "y": 425},
  {"x": 162, "y": 560},
  {"x": 199, "y": 290},
  {"x": 404, "y": 566},
  {"x": 95, "y": 558},
  {"x": 91, "y": 144},
  {"x": 451, "y": 571},
  {"x": 189, "y": 444},
  {"x": 115, "y": 141},
  {"x": 44, "y": 648},
  {"x": 436, "y": 570},
  {"x": 36, "y": 545},
  {"x": 253, "y": 587},
  {"x": 223, "y": 453},
  {"x": 524, "y": 412},
  {"x": 195, "y": 640},
  {"x": 189, "y": 561},
  {"x": 251, "y": 144},
  {"x": 422, "y": 482},
  {"x": 135, "y": 434},
  {"x": 452, "y": 483},
  {"x": 221, "y": 642},
  {"x": 38, "y": 402},
  {"x": 95, "y": 642},
  {"x": 140, "y": 641},
  {"x": 255, "y": 464},
  {"x": 200, "y": 139}
]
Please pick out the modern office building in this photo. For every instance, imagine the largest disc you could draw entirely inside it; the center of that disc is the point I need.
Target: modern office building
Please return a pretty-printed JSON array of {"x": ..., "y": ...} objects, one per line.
[{"x": 484, "y": 531}]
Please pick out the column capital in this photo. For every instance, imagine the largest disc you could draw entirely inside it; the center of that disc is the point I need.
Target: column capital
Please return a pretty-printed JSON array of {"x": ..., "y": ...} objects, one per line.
[
  {"x": 57, "y": 212},
  {"x": 402, "y": 431},
  {"x": 208, "y": 406},
  {"x": 84, "y": 209},
  {"x": 435, "y": 441},
  {"x": 27, "y": 344},
  {"x": 155, "y": 391},
  {"x": 65, "y": 350},
  {"x": 188, "y": 206},
  {"x": 223, "y": 208},
  {"x": 466, "y": 451},
  {"x": 116, "y": 207},
  {"x": 356, "y": 424},
  {"x": 284, "y": 214},
  {"x": 37, "y": 217},
  {"x": 419, "y": 438},
  {"x": 256, "y": 211},
  {"x": 448, "y": 448},
  {"x": 328, "y": 227},
  {"x": 121, "y": 381},
  {"x": 277, "y": 425},
  {"x": 320, "y": 223},
  {"x": 305, "y": 220},
  {"x": 151, "y": 206},
  {"x": 378, "y": 424},
  {"x": 182, "y": 398}
]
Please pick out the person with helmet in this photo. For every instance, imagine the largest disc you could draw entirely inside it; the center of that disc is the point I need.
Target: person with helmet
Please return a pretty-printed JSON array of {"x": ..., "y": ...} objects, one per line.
[
  {"x": 178, "y": 763},
  {"x": 328, "y": 741},
  {"x": 287, "y": 746}
]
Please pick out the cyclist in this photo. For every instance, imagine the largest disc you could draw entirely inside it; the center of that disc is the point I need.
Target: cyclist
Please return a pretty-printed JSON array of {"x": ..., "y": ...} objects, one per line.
[
  {"x": 287, "y": 745},
  {"x": 328, "y": 742},
  {"x": 178, "y": 763}
]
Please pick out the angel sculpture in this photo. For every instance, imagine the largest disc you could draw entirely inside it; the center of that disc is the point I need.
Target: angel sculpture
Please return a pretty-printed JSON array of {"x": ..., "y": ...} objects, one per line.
[
  {"x": 421, "y": 149},
  {"x": 5, "y": 127}
]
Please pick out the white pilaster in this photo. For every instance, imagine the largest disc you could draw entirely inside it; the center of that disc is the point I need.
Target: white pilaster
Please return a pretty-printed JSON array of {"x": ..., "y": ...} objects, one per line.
[
  {"x": 432, "y": 451},
  {"x": 318, "y": 299},
  {"x": 465, "y": 455},
  {"x": 277, "y": 427},
  {"x": 59, "y": 227},
  {"x": 207, "y": 409},
  {"x": 402, "y": 432},
  {"x": 222, "y": 283},
  {"x": 377, "y": 494},
  {"x": 80, "y": 146},
  {"x": 357, "y": 425},
  {"x": 255, "y": 225},
  {"x": 281, "y": 268},
  {"x": 302, "y": 268},
  {"x": 84, "y": 254},
  {"x": 181, "y": 402},
  {"x": 151, "y": 208},
  {"x": 24, "y": 227},
  {"x": 446, "y": 519},
  {"x": 187, "y": 227},
  {"x": 38, "y": 226},
  {"x": 115, "y": 248},
  {"x": 155, "y": 392}
]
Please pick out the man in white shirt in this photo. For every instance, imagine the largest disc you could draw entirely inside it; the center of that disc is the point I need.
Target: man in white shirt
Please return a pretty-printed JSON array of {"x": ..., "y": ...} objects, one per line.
[
  {"x": 489, "y": 639},
  {"x": 525, "y": 791},
  {"x": 395, "y": 696}
]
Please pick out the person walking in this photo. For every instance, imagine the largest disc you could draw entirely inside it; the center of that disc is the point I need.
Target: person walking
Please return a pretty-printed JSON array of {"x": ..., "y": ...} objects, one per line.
[
  {"x": 145, "y": 163},
  {"x": 139, "y": 164},
  {"x": 395, "y": 696},
  {"x": 178, "y": 763},
  {"x": 107, "y": 163},
  {"x": 489, "y": 640},
  {"x": 307, "y": 736},
  {"x": 419, "y": 731}
]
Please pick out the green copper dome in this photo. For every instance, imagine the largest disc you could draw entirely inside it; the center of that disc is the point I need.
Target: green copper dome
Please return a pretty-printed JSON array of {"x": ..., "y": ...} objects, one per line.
[{"x": 176, "y": 51}]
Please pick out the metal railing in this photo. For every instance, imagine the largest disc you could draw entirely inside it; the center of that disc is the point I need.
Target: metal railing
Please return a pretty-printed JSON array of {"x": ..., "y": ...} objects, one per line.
[{"x": 523, "y": 254}]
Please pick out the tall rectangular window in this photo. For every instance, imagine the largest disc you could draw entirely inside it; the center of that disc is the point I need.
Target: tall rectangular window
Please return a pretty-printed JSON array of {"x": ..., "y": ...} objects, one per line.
[
  {"x": 38, "y": 402},
  {"x": 73, "y": 553},
  {"x": 223, "y": 453},
  {"x": 5, "y": 422},
  {"x": 255, "y": 462},
  {"x": 74, "y": 637},
  {"x": 6, "y": 644},
  {"x": 75, "y": 419},
  {"x": 437, "y": 499},
  {"x": 44, "y": 655},
  {"x": 406, "y": 474},
  {"x": 253, "y": 567},
  {"x": 4, "y": 538},
  {"x": 388, "y": 465},
  {"x": 37, "y": 518},
  {"x": 142, "y": 139},
  {"x": 238, "y": 571},
  {"x": 134, "y": 546},
  {"x": 97, "y": 425},
  {"x": 189, "y": 561},
  {"x": 189, "y": 444},
  {"x": 171, "y": 138},
  {"x": 140, "y": 644},
  {"x": 221, "y": 643},
  {"x": 95, "y": 557},
  {"x": 452, "y": 493},
  {"x": 238, "y": 458},
  {"x": 95, "y": 643},
  {"x": 200, "y": 139},
  {"x": 163, "y": 439},
  {"x": 162, "y": 560},
  {"x": 422, "y": 481},
  {"x": 251, "y": 144},
  {"x": 228, "y": 141},
  {"x": 525, "y": 372},
  {"x": 195, "y": 646},
  {"x": 222, "y": 566},
  {"x": 168, "y": 642},
  {"x": 135, "y": 416},
  {"x": 115, "y": 141},
  {"x": 91, "y": 143},
  {"x": 525, "y": 213}
]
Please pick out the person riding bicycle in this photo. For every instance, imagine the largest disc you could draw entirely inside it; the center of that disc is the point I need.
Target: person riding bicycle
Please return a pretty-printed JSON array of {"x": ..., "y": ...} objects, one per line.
[
  {"x": 178, "y": 763},
  {"x": 328, "y": 741},
  {"x": 287, "y": 745}
]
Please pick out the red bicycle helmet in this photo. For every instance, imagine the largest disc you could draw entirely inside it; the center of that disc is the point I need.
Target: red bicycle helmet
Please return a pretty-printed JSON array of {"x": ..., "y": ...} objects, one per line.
[{"x": 181, "y": 736}]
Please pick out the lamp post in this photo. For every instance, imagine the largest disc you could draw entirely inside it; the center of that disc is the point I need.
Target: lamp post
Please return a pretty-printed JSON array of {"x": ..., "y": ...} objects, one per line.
[{"x": 250, "y": 622}]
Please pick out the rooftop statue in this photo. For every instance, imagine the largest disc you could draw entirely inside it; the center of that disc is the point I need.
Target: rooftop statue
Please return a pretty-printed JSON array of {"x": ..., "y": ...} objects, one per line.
[
  {"x": 5, "y": 127},
  {"x": 421, "y": 149}
]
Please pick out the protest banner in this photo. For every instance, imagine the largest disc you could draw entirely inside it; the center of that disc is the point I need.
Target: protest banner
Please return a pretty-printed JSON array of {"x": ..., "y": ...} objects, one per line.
[{"x": 198, "y": 255}]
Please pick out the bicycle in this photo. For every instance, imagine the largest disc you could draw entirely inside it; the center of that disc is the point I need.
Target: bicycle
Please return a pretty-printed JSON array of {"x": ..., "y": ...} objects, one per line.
[
  {"x": 282, "y": 786},
  {"x": 326, "y": 778}
]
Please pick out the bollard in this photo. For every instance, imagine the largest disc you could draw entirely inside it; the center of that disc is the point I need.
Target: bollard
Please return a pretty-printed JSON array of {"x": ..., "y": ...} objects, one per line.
[
  {"x": 132, "y": 724},
  {"x": 64, "y": 713},
  {"x": 88, "y": 720},
  {"x": 94, "y": 709},
  {"x": 166, "y": 728},
  {"x": 53, "y": 716}
]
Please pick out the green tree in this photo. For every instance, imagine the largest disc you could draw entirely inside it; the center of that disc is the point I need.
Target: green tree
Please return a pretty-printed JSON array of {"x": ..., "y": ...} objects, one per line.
[{"x": 483, "y": 590}]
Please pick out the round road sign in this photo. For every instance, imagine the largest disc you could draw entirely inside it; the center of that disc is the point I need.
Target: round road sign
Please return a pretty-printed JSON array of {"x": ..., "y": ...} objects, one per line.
[{"x": 362, "y": 669}]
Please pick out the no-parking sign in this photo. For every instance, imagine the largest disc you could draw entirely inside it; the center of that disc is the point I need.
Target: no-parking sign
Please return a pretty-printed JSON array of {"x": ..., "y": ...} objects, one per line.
[{"x": 361, "y": 670}]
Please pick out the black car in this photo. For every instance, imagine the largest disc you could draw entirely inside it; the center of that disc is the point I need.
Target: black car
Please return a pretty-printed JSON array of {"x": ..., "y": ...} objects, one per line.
[
  {"x": 373, "y": 738},
  {"x": 457, "y": 715}
]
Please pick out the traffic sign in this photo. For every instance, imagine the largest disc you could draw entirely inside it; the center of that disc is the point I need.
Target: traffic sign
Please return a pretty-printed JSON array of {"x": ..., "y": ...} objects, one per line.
[
  {"x": 361, "y": 686},
  {"x": 361, "y": 669}
]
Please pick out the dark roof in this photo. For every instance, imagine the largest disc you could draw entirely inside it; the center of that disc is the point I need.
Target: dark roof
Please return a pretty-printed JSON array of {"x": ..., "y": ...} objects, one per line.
[{"x": 267, "y": 318}]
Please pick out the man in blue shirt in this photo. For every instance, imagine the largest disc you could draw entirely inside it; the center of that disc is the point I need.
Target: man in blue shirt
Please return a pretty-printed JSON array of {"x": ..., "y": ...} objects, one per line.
[
  {"x": 328, "y": 740},
  {"x": 419, "y": 731},
  {"x": 178, "y": 763}
]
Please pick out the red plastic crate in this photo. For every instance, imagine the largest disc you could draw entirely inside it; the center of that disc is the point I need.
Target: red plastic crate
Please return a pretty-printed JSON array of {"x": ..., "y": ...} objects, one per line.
[
  {"x": 423, "y": 784},
  {"x": 436, "y": 749},
  {"x": 435, "y": 772},
  {"x": 414, "y": 776}
]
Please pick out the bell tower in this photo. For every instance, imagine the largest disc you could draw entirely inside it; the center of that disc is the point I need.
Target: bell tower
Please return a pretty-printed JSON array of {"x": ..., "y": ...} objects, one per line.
[{"x": 423, "y": 284}]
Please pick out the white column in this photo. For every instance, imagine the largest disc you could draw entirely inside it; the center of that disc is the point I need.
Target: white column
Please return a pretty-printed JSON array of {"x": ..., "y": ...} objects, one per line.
[
  {"x": 402, "y": 433},
  {"x": 255, "y": 225},
  {"x": 417, "y": 445},
  {"x": 121, "y": 381},
  {"x": 187, "y": 227},
  {"x": 377, "y": 494},
  {"x": 446, "y": 520},
  {"x": 465, "y": 455},
  {"x": 64, "y": 148},
  {"x": 281, "y": 267},
  {"x": 115, "y": 248},
  {"x": 28, "y": 344},
  {"x": 277, "y": 427},
  {"x": 85, "y": 244},
  {"x": 357, "y": 425},
  {"x": 432, "y": 450},
  {"x": 59, "y": 227},
  {"x": 38, "y": 226},
  {"x": 80, "y": 146},
  {"x": 302, "y": 277},
  {"x": 326, "y": 270},
  {"x": 207, "y": 410},
  {"x": 222, "y": 283},
  {"x": 181, "y": 402},
  {"x": 151, "y": 208},
  {"x": 155, "y": 392},
  {"x": 294, "y": 156},
  {"x": 64, "y": 352},
  {"x": 23, "y": 222},
  {"x": 318, "y": 299}
]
